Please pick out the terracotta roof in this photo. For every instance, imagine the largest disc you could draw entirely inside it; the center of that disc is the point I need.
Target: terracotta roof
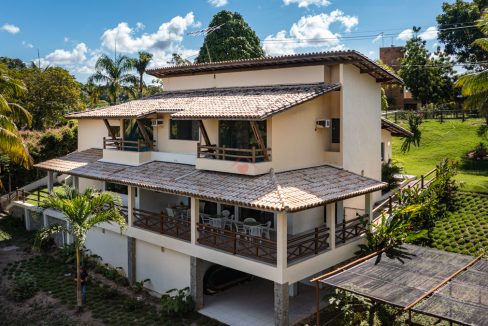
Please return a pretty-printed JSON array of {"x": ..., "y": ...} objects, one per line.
[
  {"x": 246, "y": 103},
  {"x": 284, "y": 191},
  {"x": 395, "y": 129},
  {"x": 334, "y": 57}
]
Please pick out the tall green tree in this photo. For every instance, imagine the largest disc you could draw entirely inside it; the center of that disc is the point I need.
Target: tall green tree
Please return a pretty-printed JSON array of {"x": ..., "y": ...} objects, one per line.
[
  {"x": 115, "y": 75},
  {"x": 178, "y": 60},
  {"x": 82, "y": 211},
  {"x": 13, "y": 63},
  {"x": 11, "y": 142},
  {"x": 456, "y": 30},
  {"x": 475, "y": 85},
  {"x": 140, "y": 65},
  {"x": 51, "y": 93},
  {"x": 429, "y": 78},
  {"x": 232, "y": 41}
]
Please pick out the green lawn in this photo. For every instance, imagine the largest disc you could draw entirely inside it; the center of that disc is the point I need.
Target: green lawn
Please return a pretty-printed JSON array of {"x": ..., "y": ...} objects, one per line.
[
  {"x": 32, "y": 198},
  {"x": 451, "y": 139},
  {"x": 465, "y": 230}
]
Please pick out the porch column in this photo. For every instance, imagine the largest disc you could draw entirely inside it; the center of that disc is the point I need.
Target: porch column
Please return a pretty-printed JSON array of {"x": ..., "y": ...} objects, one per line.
[
  {"x": 27, "y": 218},
  {"x": 281, "y": 242},
  {"x": 330, "y": 213},
  {"x": 131, "y": 199},
  {"x": 131, "y": 260},
  {"x": 195, "y": 216},
  {"x": 197, "y": 273},
  {"x": 281, "y": 304},
  {"x": 50, "y": 181},
  {"x": 368, "y": 205},
  {"x": 76, "y": 183}
]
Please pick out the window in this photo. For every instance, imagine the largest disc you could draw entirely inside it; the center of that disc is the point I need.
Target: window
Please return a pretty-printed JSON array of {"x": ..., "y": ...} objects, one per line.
[
  {"x": 117, "y": 188},
  {"x": 382, "y": 152},
  {"x": 336, "y": 131},
  {"x": 184, "y": 129},
  {"x": 239, "y": 134}
]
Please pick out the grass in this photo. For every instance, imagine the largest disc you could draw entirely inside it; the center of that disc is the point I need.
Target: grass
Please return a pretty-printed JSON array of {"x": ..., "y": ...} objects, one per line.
[
  {"x": 33, "y": 196},
  {"x": 465, "y": 230},
  {"x": 452, "y": 139}
]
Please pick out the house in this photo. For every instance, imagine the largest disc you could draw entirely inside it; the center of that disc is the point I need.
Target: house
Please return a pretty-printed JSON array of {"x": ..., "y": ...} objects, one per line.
[{"x": 268, "y": 166}]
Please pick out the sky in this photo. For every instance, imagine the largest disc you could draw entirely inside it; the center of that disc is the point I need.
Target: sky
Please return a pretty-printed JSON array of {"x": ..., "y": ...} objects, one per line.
[{"x": 73, "y": 34}]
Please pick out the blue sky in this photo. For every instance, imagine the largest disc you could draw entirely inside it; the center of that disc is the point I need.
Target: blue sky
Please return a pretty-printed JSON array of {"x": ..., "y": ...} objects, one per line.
[{"x": 73, "y": 34}]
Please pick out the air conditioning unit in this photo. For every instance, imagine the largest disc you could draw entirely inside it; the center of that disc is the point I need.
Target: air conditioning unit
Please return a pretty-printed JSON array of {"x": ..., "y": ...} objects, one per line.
[
  {"x": 322, "y": 123},
  {"x": 156, "y": 122}
]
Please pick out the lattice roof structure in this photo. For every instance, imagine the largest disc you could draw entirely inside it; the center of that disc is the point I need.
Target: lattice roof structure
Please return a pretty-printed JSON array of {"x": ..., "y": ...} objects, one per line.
[{"x": 437, "y": 283}]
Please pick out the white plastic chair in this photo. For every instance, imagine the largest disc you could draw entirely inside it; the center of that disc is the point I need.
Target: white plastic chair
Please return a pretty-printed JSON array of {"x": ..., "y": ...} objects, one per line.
[
  {"x": 205, "y": 218},
  {"x": 249, "y": 220},
  {"x": 170, "y": 212},
  {"x": 225, "y": 213},
  {"x": 265, "y": 230}
]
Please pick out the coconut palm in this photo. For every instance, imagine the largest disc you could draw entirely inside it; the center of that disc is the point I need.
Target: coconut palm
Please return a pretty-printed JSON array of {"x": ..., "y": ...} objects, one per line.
[
  {"x": 116, "y": 76},
  {"x": 82, "y": 211},
  {"x": 11, "y": 143},
  {"x": 140, "y": 64},
  {"x": 474, "y": 86}
]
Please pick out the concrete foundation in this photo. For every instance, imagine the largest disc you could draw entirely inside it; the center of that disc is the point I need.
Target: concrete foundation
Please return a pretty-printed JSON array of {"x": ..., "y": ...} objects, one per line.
[
  {"x": 281, "y": 304},
  {"x": 197, "y": 272},
  {"x": 131, "y": 260}
]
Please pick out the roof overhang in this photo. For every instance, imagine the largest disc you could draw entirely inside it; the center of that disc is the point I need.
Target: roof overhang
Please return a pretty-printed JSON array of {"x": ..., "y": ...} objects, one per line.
[{"x": 395, "y": 129}]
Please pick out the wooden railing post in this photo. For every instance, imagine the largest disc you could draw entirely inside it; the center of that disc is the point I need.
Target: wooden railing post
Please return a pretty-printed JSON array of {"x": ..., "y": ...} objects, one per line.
[
  {"x": 104, "y": 143},
  {"x": 223, "y": 152},
  {"x": 234, "y": 243},
  {"x": 344, "y": 231},
  {"x": 422, "y": 181},
  {"x": 390, "y": 204},
  {"x": 198, "y": 150},
  {"x": 254, "y": 154},
  {"x": 316, "y": 241},
  {"x": 38, "y": 198},
  {"x": 162, "y": 223}
]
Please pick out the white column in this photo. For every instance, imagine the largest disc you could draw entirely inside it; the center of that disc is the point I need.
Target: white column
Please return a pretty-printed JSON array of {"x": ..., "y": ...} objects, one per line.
[
  {"x": 27, "y": 219},
  {"x": 282, "y": 241},
  {"x": 368, "y": 205},
  {"x": 195, "y": 216},
  {"x": 50, "y": 181},
  {"x": 330, "y": 211},
  {"x": 76, "y": 183},
  {"x": 131, "y": 198}
]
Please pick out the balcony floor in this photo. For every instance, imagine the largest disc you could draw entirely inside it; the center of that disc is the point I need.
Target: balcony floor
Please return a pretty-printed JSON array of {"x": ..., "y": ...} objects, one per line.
[{"x": 252, "y": 304}]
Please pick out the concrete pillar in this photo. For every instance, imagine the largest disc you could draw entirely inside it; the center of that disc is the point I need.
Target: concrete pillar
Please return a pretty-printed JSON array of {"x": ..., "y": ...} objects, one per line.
[
  {"x": 131, "y": 198},
  {"x": 76, "y": 183},
  {"x": 281, "y": 304},
  {"x": 44, "y": 219},
  {"x": 50, "y": 181},
  {"x": 131, "y": 260},
  {"x": 330, "y": 212},
  {"x": 196, "y": 281},
  {"x": 282, "y": 242},
  {"x": 194, "y": 218},
  {"x": 27, "y": 219},
  {"x": 368, "y": 205}
]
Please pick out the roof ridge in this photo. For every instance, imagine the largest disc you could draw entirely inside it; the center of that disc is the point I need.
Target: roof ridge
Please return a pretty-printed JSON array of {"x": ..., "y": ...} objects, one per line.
[{"x": 272, "y": 174}]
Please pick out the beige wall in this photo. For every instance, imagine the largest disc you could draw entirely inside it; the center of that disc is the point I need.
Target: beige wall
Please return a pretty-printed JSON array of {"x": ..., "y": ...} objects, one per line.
[
  {"x": 91, "y": 133},
  {"x": 387, "y": 140},
  {"x": 165, "y": 144},
  {"x": 296, "y": 75},
  {"x": 111, "y": 246}
]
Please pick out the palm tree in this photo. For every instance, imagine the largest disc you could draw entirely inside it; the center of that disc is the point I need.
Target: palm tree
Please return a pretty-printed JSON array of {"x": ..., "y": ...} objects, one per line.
[
  {"x": 140, "y": 65},
  {"x": 115, "y": 74},
  {"x": 93, "y": 92},
  {"x": 11, "y": 142},
  {"x": 474, "y": 86},
  {"x": 82, "y": 211}
]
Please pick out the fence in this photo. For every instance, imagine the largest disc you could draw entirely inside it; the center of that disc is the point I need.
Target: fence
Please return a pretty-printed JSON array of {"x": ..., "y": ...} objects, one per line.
[{"x": 440, "y": 115}]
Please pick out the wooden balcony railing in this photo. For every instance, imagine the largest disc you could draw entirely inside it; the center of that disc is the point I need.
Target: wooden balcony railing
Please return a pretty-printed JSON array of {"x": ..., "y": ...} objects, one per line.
[
  {"x": 308, "y": 243},
  {"x": 37, "y": 197},
  {"x": 161, "y": 223},
  {"x": 251, "y": 155},
  {"x": 127, "y": 145},
  {"x": 351, "y": 229}
]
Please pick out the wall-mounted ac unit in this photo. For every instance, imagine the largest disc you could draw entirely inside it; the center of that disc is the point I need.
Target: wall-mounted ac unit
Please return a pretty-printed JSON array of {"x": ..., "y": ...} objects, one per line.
[
  {"x": 322, "y": 123},
  {"x": 156, "y": 122}
]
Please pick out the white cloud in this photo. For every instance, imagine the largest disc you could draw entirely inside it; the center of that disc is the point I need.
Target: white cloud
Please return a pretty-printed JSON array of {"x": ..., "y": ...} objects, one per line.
[
  {"x": 9, "y": 28},
  {"x": 63, "y": 57},
  {"x": 140, "y": 26},
  {"x": 66, "y": 39},
  {"x": 306, "y": 3},
  {"x": 377, "y": 38},
  {"x": 218, "y": 3},
  {"x": 310, "y": 32},
  {"x": 27, "y": 45},
  {"x": 405, "y": 35},
  {"x": 124, "y": 39},
  {"x": 429, "y": 34}
]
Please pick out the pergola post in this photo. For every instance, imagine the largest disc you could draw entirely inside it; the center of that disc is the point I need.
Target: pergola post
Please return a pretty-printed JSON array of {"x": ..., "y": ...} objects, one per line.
[
  {"x": 50, "y": 181},
  {"x": 330, "y": 220},
  {"x": 281, "y": 241},
  {"x": 131, "y": 201},
  {"x": 368, "y": 206},
  {"x": 195, "y": 215}
]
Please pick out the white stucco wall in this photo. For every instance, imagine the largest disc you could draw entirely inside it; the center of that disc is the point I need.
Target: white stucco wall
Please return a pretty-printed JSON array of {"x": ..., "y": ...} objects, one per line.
[
  {"x": 305, "y": 220},
  {"x": 295, "y": 75},
  {"x": 85, "y": 183},
  {"x": 167, "y": 269},
  {"x": 91, "y": 133},
  {"x": 111, "y": 246},
  {"x": 157, "y": 201}
]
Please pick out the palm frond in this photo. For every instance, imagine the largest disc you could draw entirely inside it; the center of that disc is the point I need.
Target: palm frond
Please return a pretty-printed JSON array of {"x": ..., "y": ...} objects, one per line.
[{"x": 44, "y": 233}]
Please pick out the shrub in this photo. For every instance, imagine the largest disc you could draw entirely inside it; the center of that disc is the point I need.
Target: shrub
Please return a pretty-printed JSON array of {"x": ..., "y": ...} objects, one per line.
[
  {"x": 480, "y": 151},
  {"x": 388, "y": 171},
  {"x": 177, "y": 302},
  {"x": 24, "y": 287},
  {"x": 139, "y": 286}
]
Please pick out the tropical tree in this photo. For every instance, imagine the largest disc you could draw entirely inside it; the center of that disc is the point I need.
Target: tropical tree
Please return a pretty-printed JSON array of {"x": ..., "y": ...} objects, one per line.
[
  {"x": 116, "y": 76},
  {"x": 93, "y": 93},
  {"x": 82, "y": 211},
  {"x": 475, "y": 85},
  {"x": 178, "y": 60},
  {"x": 232, "y": 41},
  {"x": 11, "y": 143},
  {"x": 140, "y": 65}
]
